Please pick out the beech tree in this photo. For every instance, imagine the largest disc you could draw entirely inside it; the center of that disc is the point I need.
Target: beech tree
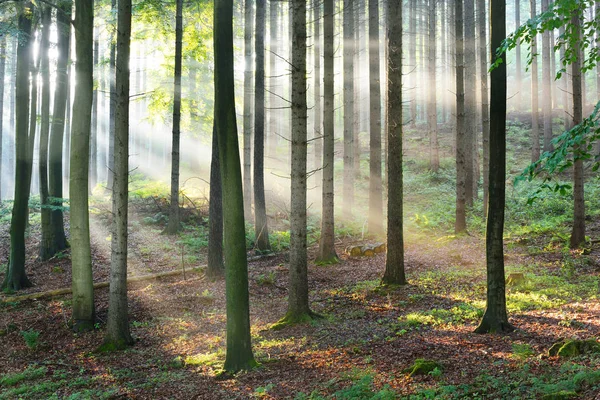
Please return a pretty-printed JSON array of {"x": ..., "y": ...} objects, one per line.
[
  {"x": 462, "y": 142},
  {"x": 44, "y": 136},
  {"x": 348, "y": 108},
  {"x": 215, "y": 266},
  {"x": 248, "y": 79},
  {"x": 2, "y": 74}
]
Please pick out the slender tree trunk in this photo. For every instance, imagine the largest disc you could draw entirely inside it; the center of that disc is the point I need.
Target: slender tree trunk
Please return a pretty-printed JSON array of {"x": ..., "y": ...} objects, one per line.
[
  {"x": 46, "y": 227},
  {"x": 535, "y": 130},
  {"x": 174, "y": 218},
  {"x": 359, "y": 28},
  {"x": 57, "y": 241},
  {"x": 94, "y": 135},
  {"x": 412, "y": 59},
  {"x": 546, "y": 85},
  {"x": 215, "y": 213},
  {"x": 261, "y": 232},
  {"x": 394, "y": 263},
  {"x": 470, "y": 75},
  {"x": 348, "y": 108},
  {"x": 578, "y": 232},
  {"x": 239, "y": 351},
  {"x": 112, "y": 107},
  {"x": 2, "y": 74},
  {"x": 462, "y": 143},
  {"x": 81, "y": 258},
  {"x": 117, "y": 327},
  {"x": 485, "y": 99},
  {"x": 273, "y": 112},
  {"x": 495, "y": 318},
  {"x": 327, "y": 252},
  {"x": 318, "y": 132},
  {"x": 375, "y": 225},
  {"x": 434, "y": 156},
  {"x": 518, "y": 64},
  {"x": 15, "y": 277},
  {"x": 248, "y": 77}
]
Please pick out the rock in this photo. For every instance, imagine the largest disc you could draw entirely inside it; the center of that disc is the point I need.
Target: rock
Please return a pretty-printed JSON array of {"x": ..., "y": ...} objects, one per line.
[
  {"x": 423, "y": 367},
  {"x": 572, "y": 348}
]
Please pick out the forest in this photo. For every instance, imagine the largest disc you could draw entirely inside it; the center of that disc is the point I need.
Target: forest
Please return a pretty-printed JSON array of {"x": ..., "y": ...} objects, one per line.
[{"x": 287, "y": 199}]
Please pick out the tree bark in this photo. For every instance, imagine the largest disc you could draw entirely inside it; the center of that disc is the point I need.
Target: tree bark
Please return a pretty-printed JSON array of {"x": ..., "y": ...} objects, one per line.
[
  {"x": 112, "y": 107},
  {"x": 348, "y": 108},
  {"x": 239, "y": 351},
  {"x": 412, "y": 59},
  {"x": 2, "y": 74},
  {"x": 318, "y": 132},
  {"x": 535, "y": 130},
  {"x": 327, "y": 252},
  {"x": 518, "y": 64},
  {"x": 81, "y": 258},
  {"x": 485, "y": 99},
  {"x": 460, "y": 224},
  {"x": 495, "y": 318},
  {"x": 394, "y": 262},
  {"x": 546, "y": 85},
  {"x": 94, "y": 133},
  {"x": 117, "y": 327},
  {"x": 248, "y": 80},
  {"x": 215, "y": 213},
  {"x": 274, "y": 114},
  {"x": 470, "y": 75},
  {"x": 15, "y": 277},
  {"x": 434, "y": 156},
  {"x": 261, "y": 232},
  {"x": 174, "y": 219},
  {"x": 375, "y": 223}
]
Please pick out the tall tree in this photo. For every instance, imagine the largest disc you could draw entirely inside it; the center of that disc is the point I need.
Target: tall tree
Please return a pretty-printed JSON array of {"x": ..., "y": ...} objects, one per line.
[
  {"x": 535, "y": 130},
  {"x": 248, "y": 76},
  {"x": 546, "y": 85},
  {"x": 412, "y": 58},
  {"x": 318, "y": 150},
  {"x": 15, "y": 277},
  {"x": 261, "y": 232},
  {"x": 174, "y": 220},
  {"x": 117, "y": 328},
  {"x": 394, "y": 262},
  {"x": 578, "y": 231},
  {"x": 327, "y": 252},
  {"x": 112, "y": 107},
  {"x": 239, "y": 351},
  {"x": 215, "y": 266},
  {"x": 485, "y": 98},
  {"x": 348, "y": 108},
  {"x": 81, "y": 257},
  {"x": 375, "y": 224},
  {"x": 93, "y": 179},
  {"x": 273, "y": 113},
  {"x": 470, "y": 75},
  {"x": 434, "y": 156},
  {"x": 518, "y": 64},
  {"x": 462, "y": 143},
  {"x": 495, "y": 318},
  {"x": 44, "y": 136},
  {"x": 2, "y": 73}
]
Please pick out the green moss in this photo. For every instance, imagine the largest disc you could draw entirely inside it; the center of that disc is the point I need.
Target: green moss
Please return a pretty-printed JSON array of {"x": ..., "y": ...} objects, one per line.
[
  {"x": 294, "y": 319},
  {"x": 572, "y": 348},
  {"x": 562, "y": 395},
  {"x": 111, "y": 346},
  {"x": 423, "y": 367}
]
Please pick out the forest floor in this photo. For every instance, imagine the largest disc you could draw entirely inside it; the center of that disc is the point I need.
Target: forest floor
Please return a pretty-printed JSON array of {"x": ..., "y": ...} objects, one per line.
[{"x": 369, "y": 336}]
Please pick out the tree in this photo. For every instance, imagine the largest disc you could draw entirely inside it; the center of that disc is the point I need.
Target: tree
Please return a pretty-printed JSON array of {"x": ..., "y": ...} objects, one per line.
[
  {"x": 394, "y": 262},
  {"x": 45, "y": 243},
  {"x": 81, "y": 257},
  {"x": 434, "y": 157},
  {"x": 470, "y": 136},
  {"x": 518, "y": 64},
  {"x": 495, "y": 318},
  {"x": 174, "y": 220},
  {"x": 15, "y": 277},
  {"x": 318, "y": 150},
  {"x": 546, "y": 85},
  {"x": 348, "y": 108},
  {"x": 412, "y": 58},
  {"x": 93, "y": 179},
  {"x": 57, "y": 240},
  {"x": 298, "y": 308},
  {"x": 248, "y": 22},
  {"x": 215, "y": 265},
  {"x": 112, "y": 107},
  {"x": 375, "y": 225},
  {"x": 460, "y": 224},
  {"x": 327, "y": 252},
  {"x": 535, "y": 130},
  {"x": 118, "y": 335},
  {"x": 2, "y": 73},
  {"x": 485, "y": 99},
  {"x": 239, "y": 350},
  {"x": 273, "y": 78},
  {"x": 261, "y": 232}
]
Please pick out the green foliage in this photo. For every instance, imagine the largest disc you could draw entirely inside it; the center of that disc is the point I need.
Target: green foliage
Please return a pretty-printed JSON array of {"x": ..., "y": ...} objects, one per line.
[
  {"x": 30, "y": 373},
  {"x": 460, "y": 314},
  {"x": 266, "y": 279},
  {"x": 423, "y": 367},
  {"x": 360, "y": 390},
  {"x": 522, "y": 351},
  {"x": 31, "y": 338},
  {"x": 280, "y": 240}
]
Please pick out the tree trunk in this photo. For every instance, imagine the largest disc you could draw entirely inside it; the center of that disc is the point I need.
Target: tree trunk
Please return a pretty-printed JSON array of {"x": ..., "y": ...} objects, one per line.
[
  {"x": 462, "y": 143},
  {"x": 81, "y": 258},
  {"x": 348, "y": 108},
  {"x": 495, "y": 318},
  {"x": 412, "y": 59},
  {"x": 112, "y": 107},
  {"x": 535, "y": 130},
  {"x": 470, "y": 75},
  {"x": 174, "y": 218},
  {"x": 15, "y": 277},
  {"x": 578, "y": 232},
  {"x": 239, "y": 351},
  {"x": 248, "y": 76},
  {"x": 261, "y": 232},
  {"x": 434, "y": 156},
  {"x": 274, "y": 113},
  {"x": 394, "y": 262},
  {"x": 46, "y": 227},
  {"x": 546, "y": 85},
  {"x": 375, "y": 225},
  {"x": 2, "y": 74},
  {"x": 485, "y": 99},
  {"x": 117, "y": 327},
  {"x": 327, "y": 252},
  {"x": 215, "y": 213},
  {"x": 94, "y": 133},
  {"x": 518, "y": 64},
  {"x": 318, "y": 132}
]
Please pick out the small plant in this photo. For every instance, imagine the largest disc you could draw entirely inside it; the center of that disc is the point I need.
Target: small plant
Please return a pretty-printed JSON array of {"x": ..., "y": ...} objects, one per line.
[
  {"x": 31, "y": 338},
  {"x": 522, "y": 351},
  {"x": 263, "y": 391},
  {"x": 266, "y": 279},
  {"x": 207, "y": 295}
]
